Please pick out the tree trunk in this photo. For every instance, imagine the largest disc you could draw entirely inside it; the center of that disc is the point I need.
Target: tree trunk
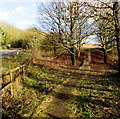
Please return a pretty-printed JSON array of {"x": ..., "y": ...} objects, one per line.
[
  {"x": 54, "y": 49},
  {"x": 79, "y": 54},
  {"x": 72, "y": 54},
  {"x": 117, "y": 31},
  {"x": 105, "y": 56},
  {"x": 78, "y": 46}
]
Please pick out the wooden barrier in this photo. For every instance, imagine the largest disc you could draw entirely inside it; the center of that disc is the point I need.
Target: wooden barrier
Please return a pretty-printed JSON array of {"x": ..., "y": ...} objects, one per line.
[{"x": 11, "y": 77}]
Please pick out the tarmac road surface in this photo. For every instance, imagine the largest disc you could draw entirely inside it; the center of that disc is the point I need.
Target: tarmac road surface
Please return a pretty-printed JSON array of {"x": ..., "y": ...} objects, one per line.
[{"x": 5, "y": 53}]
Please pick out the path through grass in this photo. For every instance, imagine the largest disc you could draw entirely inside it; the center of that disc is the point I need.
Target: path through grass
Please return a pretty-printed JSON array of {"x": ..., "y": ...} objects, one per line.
[{"x": 57, "y": 91}]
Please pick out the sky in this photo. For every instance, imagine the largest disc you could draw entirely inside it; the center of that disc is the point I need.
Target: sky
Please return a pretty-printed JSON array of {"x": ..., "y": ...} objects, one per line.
[{"x": 19, "y": 14}]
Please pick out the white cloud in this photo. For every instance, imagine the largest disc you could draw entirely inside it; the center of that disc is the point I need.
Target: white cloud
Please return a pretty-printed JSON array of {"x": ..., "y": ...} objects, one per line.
[
  {"x": 23, "y": 24},
  {"x": 20, "y": 9},
  {"x": 21, "y": 16},
  {"x": 4, "y": 15},
  {"x": 34, "y": 5}
]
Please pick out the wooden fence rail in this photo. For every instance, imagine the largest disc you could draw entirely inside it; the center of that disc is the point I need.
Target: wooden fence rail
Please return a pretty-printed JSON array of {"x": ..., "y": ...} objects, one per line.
[{"x": 10, "y": 76}]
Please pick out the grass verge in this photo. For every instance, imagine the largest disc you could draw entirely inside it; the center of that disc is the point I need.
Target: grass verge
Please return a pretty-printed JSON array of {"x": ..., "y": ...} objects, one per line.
[{"x": 13, "y": 61}]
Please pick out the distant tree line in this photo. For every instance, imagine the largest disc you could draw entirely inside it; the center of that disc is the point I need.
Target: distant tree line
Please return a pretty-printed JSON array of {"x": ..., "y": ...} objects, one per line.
[{"x": 14, "y": 37}]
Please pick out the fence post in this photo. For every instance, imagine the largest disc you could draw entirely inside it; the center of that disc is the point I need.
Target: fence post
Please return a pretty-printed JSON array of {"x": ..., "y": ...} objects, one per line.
[
  {"x": 23, "y": 70},
  {"x": 10, "y": 73},
  {"x": 11, "y": 79}
]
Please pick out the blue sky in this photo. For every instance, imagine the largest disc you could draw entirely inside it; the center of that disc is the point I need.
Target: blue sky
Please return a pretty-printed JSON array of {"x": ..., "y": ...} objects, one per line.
[{"x": 19, "y": 14}]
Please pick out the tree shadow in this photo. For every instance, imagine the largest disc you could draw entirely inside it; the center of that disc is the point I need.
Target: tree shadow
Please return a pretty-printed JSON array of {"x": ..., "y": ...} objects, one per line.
[
  {"x": 112, "y": 79},
  {"x": 63, "y": 96},
  {"x": 86, "y": 87},
  {"x": 55, "y": 117}
]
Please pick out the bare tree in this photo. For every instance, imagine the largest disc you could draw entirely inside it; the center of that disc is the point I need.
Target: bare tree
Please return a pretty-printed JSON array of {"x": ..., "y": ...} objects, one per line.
[
  {"x": 70, "y": 21},
  {"x": 110, "y": 12},
  {"x": 105, "y": 36},
  {"x": 116, "y": 13}
]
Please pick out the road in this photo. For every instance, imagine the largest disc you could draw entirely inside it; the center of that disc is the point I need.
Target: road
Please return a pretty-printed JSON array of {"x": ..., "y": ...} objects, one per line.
[{"x": 5, "y": 53}]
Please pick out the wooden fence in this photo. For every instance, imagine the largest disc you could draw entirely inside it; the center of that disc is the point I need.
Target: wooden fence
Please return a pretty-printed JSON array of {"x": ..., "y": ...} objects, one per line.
[{"x": 9, "y": 77}]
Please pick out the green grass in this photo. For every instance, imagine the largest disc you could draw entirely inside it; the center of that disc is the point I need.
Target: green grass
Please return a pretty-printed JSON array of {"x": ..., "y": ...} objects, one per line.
[
  {"x": 11, "y": 62},
  {"x": 35, "y": 88},
  {"x": 98, "y": 96}
]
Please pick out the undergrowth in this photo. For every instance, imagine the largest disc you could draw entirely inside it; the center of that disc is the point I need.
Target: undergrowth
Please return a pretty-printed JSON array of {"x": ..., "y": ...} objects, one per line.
[{"x": 13, "y": 61}]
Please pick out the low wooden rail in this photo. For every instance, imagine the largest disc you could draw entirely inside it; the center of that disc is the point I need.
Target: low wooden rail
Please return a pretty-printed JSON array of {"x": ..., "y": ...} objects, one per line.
[{"x": 10, "y": 76}]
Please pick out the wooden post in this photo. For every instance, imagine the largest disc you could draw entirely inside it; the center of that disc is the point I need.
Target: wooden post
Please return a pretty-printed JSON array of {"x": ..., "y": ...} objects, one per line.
[
  {"x": 19, "y": 72},
  {"x": 11, "y": 79},
  {"x": 10, "y": 73},
  {"x": 23, "y": 70}
]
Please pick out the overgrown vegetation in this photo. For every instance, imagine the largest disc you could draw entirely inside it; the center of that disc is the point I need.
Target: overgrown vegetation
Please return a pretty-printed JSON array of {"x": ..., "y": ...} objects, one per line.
[{"x": 13, "y": 61}]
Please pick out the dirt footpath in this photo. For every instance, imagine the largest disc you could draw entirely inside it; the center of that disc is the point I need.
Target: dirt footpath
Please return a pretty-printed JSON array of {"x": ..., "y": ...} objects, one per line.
[
  {"x": 87, "y": 92},
  {"x": 60, "y": 103}
]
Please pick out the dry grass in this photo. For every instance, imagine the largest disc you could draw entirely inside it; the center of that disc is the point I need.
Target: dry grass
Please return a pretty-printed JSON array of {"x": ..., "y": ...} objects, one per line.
[{"x": 90, "y": 46}]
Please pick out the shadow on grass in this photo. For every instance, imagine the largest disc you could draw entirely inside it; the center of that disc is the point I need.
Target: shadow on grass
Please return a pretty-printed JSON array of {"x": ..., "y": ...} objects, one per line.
[
  {"x": 108, "y": 79},
  {"x": 82, "y": 100},
  {"x": 16, "y": 116},
  {"x": 88, "y": 87},
  {"x": 61, "y": 73},
  {"x": 55, "y": 117},
  {"x": 63, "y": 96}
]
